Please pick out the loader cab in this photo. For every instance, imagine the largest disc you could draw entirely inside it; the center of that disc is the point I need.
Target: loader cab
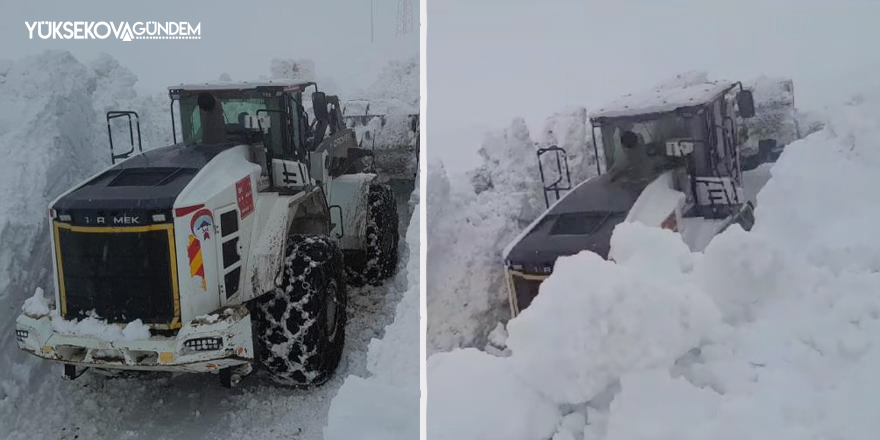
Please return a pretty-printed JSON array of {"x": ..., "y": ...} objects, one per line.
[
  {"x": 270, "y": 113},
  {"x": 685, "y": 138},
  {"x": 692, "y": 129}
]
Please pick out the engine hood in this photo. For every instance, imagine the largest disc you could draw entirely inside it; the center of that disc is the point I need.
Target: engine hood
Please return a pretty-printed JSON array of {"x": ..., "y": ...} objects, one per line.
[
  {"x": 583, "y": 219},
  {"x": 129, "y": 192}
]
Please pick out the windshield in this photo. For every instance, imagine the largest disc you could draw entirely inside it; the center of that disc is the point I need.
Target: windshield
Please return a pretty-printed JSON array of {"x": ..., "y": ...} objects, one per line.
[
  {"x": 640, "y": 146},
  {"x": 234, "y": 110}
]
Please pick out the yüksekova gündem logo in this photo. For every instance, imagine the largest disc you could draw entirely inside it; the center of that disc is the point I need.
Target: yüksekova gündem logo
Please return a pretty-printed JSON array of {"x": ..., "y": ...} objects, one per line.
[{"x": 101, "y": 30}]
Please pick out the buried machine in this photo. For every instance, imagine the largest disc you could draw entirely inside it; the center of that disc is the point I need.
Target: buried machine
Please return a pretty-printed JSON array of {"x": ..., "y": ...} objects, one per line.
[
  {"x": 228, "y": 250},
  {"x": 671, "y": 159}
]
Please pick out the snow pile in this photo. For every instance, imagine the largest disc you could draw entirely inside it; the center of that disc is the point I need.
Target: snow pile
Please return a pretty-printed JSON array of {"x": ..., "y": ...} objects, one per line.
[
  {"x": 37, "y": 305},
  {"x": 773, "y": 333},
  {"x": 96, "y": 327},
  {"x": 603, "y": 319},
  {"x": 398, "y": 81},
  {"x": 385, "y": 405},
  {"x": 471, "y": 221}
]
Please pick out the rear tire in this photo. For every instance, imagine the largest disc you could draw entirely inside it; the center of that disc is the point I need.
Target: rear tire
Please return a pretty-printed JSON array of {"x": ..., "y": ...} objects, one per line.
[
  {"x": 301, "y": 323},
  {"x": 379, "y": 259}
]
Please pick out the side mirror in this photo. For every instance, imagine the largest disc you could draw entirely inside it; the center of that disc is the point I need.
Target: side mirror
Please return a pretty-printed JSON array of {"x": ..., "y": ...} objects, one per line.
[
  {"x": 319, "y": 105},
  {"x": 746, "y": 103}
]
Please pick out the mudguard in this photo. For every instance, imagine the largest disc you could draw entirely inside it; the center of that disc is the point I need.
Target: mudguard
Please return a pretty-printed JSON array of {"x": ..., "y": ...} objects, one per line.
[{"x": 351, "y": 193}]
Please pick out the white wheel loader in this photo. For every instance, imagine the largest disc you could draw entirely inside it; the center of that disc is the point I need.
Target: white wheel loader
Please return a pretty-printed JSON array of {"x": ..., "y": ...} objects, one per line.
[{"x": 234, "y": 247}]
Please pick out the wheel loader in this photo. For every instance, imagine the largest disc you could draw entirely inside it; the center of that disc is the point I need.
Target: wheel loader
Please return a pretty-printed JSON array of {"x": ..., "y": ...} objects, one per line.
[
  {"x": 234, "y": 246},
  {"x": 389, "y": 128},
  {"x": 668, "y": 158}
]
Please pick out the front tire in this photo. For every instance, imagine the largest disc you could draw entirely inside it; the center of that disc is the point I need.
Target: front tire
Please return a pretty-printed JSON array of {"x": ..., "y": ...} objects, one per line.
[
  {"x": 378, "y": 261},
  {"x": 301, "y": 323}
]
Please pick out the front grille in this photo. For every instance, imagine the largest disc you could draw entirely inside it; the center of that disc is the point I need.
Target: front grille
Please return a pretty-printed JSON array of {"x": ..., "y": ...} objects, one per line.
[{"x": 121, "y": 274}]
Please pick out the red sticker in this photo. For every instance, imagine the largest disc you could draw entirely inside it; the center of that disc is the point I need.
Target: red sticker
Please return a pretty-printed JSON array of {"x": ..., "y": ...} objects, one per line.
[{"x": 245, "y": 196}]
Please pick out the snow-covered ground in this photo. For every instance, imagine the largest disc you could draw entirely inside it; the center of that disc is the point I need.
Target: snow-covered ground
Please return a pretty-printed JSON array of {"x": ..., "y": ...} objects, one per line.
[
  {"x": 772, "y": 333},
  {"x": 52, "y": 135}
]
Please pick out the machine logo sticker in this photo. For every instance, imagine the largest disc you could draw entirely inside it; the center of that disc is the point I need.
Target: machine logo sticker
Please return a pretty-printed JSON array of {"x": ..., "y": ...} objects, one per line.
[
  {"x": 202, "y": 223},
  {"x": 245, "y": 196},
  {"x": 200, "y": 226}
]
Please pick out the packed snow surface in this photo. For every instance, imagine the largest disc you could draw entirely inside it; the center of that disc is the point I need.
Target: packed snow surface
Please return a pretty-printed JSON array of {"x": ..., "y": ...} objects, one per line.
[{"x": 772, "y": 333}]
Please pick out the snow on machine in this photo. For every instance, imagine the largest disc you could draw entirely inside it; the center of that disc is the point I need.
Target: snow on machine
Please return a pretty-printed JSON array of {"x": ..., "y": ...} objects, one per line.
[
  {"x": 671, "y": 159},
  {"x": 775, "y": 124},
  {"x": 230, "y": 249}
]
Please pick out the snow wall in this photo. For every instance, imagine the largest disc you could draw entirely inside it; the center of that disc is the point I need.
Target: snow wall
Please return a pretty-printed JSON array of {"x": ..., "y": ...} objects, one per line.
[
  {"x": 385, "y": 405},
  {"x": 471, "y": 220},
  {"x": 52, "y": 135},
  {"x": 773, "y": 333}
]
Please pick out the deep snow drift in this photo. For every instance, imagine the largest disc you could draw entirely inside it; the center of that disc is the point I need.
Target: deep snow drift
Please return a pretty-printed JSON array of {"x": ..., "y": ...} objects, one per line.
[
  {"x": 470, "y": 222},
  {"x": 52, "y": 135},
  {"x": 773, "y": 333}
]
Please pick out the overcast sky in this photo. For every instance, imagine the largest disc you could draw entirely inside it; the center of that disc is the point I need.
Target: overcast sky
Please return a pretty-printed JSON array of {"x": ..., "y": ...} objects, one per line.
[
  {"x": 492, "y": 60},
  {"x": 238, "y": 37}
]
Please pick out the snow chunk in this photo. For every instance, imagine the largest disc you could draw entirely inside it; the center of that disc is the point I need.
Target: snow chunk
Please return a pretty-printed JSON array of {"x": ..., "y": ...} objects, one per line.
[
  {"x": 657, "y": 202},
  {"x": 207, "y": 319},
  {"x": 475, "y": 396},
  {"x": 135, "y": 330},
  {"x": 95, "y": 327},
  {"x": 37, "y": 305}
]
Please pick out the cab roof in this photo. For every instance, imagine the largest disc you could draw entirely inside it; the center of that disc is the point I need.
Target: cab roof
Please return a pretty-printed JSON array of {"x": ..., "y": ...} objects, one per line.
[
  {"x": 663, "y": 100},
  {"x": 286, "y": 84}
]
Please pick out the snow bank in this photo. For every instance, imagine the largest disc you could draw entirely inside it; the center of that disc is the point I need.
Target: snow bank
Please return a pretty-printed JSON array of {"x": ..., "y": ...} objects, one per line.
[
  {"x": 52, "y": 135},
  {"x": 470, "y": 223},
  {"x": 773, "y": 333},
  {"x": 385, "y": 405},
  {"x": 497, "y": 406}
]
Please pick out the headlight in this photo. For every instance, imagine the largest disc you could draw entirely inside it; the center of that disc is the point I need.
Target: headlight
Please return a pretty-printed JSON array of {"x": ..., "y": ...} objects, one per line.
[{"x": 204, "y": 344}]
